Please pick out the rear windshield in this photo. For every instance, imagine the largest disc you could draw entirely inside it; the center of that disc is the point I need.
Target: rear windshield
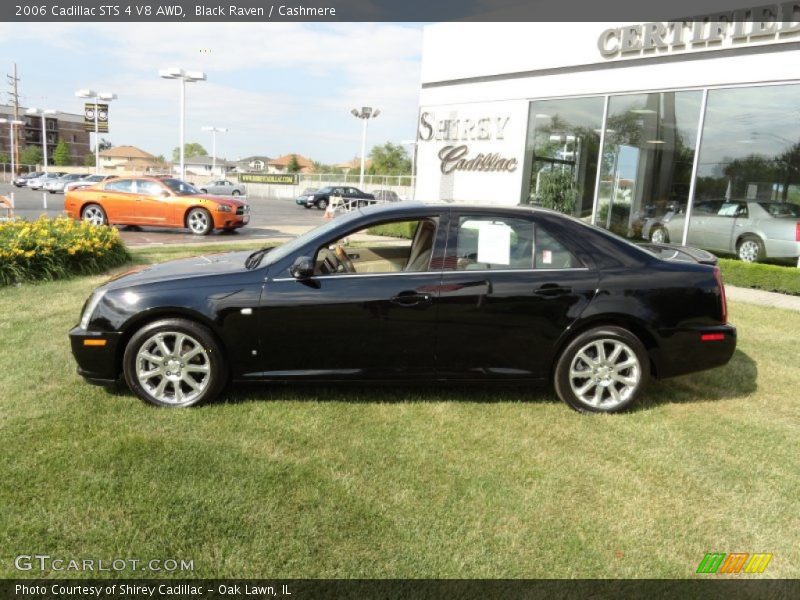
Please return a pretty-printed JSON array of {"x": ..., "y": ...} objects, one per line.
[{"x": 781, "y": 209}]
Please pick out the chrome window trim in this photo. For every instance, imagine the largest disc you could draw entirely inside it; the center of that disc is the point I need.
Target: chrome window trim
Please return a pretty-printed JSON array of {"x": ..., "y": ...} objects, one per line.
[{"x": 405, "y": 273}]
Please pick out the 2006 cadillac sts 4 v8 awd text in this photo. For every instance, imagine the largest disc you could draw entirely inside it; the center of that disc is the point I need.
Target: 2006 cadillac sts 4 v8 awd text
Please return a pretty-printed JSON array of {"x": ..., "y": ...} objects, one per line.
[{"x": 478, "y": 293}]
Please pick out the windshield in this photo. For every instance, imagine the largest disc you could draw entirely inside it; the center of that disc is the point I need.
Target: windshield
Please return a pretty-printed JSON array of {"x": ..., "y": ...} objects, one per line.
[
  {"x": 180, "y": 187},
  {"x": 781, "y": 209},
  {"x": 326, "y": 190}
]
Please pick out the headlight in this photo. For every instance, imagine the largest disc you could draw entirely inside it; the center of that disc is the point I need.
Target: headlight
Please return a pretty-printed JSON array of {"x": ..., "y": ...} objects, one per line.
[
  {"x": 223, "y": 208},
  {"x": 92, "y": 303}
]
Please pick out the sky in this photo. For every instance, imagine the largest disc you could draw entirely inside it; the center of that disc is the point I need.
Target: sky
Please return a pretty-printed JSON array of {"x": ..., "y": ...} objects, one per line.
[{"x": 278, "y": 88}]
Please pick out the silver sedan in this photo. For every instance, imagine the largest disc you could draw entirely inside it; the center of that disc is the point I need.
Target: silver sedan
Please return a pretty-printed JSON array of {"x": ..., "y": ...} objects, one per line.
[
  {"x": 752, "y": 230},
  {"x": 222, "y": 187}
]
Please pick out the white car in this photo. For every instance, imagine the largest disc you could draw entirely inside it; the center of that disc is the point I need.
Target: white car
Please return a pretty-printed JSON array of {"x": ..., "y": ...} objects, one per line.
[
  {"x": 222, "y": 187},
  {"x": 55, "y": 186},
  {"x": 37, "y": 183}
]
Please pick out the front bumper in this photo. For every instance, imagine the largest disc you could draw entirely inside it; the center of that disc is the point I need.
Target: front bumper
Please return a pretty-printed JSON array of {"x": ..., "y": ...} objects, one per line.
[
  {"x": 226, "y": 220},
  {"x": 304, "y": 202},
  {"x": 97, "y": 355},
  {"x": 685, "y": 350}
]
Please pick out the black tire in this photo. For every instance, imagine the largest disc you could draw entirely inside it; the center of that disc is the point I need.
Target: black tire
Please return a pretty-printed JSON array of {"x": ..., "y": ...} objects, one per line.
[
  {"x": 306, "y": 206},
  {"x": 609, "y": 335},
  {"x": 750, "y": 248},
  {"x": 203, "y": 191},
  {"x": 322, "y": 203},
  {"x": 217, "y": 367},
  {"x": 662, "y": 231},
  {"x": 236, "y": 193},
  {"x": 199, "y": 221},
  {"x": 95, "y": 214}
]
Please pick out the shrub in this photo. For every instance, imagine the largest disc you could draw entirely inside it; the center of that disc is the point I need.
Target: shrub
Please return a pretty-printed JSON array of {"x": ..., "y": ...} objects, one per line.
[
  {"x": 772, "y": 278},
  {"x": 404, "y": 229},
  {"x": 48, "y": 249}
]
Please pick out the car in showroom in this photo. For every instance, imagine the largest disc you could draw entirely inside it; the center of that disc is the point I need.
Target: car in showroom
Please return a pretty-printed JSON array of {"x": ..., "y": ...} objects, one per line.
[
  {"x": 155, "y": 202},
  {"x": 55, "y": 186},
  {"x": 86, "y": 181},
  {"x": 222, "y": 187},
  {"x": 22, "y": 180},
  {"x": 753, "y": 230},
  {"x": 481, "y": 294},
  {"x": 322, "y": 197}
]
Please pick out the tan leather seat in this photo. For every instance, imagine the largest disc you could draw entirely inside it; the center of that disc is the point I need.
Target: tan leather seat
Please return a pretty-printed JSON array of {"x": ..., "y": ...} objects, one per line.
[{"x": 421, "y": 247}]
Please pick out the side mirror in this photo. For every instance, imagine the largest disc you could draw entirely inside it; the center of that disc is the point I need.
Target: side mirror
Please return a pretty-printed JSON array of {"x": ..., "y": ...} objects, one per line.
[{"x": 302, "y": 267}]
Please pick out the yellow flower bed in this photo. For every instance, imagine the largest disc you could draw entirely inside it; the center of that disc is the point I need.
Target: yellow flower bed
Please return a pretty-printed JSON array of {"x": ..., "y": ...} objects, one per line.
[{"x": 48, "y": 249}]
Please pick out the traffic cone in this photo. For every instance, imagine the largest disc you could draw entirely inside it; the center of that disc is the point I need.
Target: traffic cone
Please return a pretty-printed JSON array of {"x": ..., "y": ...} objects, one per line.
[{"x": 329, "y": 211}]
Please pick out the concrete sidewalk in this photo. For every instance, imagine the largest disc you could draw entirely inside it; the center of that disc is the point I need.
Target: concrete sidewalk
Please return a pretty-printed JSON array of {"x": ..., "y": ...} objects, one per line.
[{"x": 762, "y": 298}]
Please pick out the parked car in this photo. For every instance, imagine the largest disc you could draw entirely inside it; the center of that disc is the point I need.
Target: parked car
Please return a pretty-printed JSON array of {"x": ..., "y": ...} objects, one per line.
[
  {"x": 321, "y": 198},
  {"x": 301, "y": 199},
  {"x": 386, "y": 196},
  {"x": 86, "y": 182},
  {"x": 155, "y": 202},
  {"x": 37, "y": 183},
  {"x": 57, "y": 185},
  {"x": 480, "y": 293},
  {"x": 752, "y": 230},
  {"x": 222, "y": 187},
  {"x": 22, "y": 180}
]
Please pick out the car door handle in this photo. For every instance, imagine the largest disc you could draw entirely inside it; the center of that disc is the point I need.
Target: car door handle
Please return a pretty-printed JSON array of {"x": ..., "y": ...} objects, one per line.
[
  {"x": 552, "y": 290},
  {"x": 410, "y": 298}
]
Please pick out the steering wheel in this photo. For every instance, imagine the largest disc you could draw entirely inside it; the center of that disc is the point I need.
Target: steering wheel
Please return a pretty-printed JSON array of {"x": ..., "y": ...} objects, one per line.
[{"x": 344, "y": 260}]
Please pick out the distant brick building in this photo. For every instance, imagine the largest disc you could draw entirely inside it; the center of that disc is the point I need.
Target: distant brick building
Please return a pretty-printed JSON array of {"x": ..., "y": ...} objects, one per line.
[{"x": 60, "y": 126}]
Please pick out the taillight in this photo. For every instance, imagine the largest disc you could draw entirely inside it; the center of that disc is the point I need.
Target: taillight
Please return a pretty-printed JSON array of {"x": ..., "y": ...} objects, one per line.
[
  {"x": 723, "y": 299},
  {"x": 797, "y": 232}
]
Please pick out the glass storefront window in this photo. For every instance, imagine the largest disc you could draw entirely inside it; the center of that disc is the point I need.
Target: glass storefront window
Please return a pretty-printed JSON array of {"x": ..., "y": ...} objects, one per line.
[
  {"x": 647, "y": 159},
  {"x": 563, "y": 143}
]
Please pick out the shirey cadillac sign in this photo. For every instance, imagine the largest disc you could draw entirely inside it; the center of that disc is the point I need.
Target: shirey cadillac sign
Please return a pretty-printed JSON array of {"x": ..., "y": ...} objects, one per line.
[
  {"x": 458, "y": 154},
  {"x": 766, "y": 23}
]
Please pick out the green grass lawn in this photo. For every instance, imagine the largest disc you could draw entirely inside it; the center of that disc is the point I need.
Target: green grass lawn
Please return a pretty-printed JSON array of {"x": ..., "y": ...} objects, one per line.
[{"x": 396, "y": 482}]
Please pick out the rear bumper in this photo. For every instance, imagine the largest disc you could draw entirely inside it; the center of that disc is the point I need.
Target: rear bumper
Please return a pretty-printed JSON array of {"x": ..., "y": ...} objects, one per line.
[
  {"x": 683, "y": 351},
  {"x": 97, "y": 363},
  {"x": 781, "y": 248}
]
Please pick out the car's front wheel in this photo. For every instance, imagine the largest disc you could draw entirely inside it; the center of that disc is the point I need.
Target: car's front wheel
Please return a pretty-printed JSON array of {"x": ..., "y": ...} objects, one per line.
[
  {"x": 236, "y": 193},
  {"x": 94, "y": 214},
  {"x": 659, "y": 235},
  {"x": 174, "y": 363},
  {"x": 322, "y": 204},
  {"x": 199, "y": 221},
  {"x": 750, "y": 249},
  {"x": 602, "y": 370}
]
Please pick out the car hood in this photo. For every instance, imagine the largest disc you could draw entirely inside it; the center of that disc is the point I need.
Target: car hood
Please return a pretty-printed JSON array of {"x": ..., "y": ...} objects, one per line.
[
  {"x": 181, "y": 269},
  {"x": 220, "y": 199}
]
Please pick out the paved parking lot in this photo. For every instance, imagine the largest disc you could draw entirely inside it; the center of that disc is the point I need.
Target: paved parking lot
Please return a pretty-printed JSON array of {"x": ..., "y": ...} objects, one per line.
[{"x": 270, "y": 218}]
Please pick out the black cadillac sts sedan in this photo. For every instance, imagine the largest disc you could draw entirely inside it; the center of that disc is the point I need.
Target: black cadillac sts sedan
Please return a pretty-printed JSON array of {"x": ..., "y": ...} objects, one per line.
[{"x": 476, "y": 294}]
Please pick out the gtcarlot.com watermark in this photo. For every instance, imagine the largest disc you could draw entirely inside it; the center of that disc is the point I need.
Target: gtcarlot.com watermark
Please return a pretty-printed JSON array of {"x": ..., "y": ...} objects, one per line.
[{"x": 45, "y": 562}]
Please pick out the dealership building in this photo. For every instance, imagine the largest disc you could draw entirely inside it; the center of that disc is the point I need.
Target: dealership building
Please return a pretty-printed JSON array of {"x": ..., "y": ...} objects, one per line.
[{"x": 612, "y": 122}]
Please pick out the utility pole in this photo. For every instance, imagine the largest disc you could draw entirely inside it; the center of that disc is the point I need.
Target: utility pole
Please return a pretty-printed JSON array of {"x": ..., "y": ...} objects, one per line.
[{"x": 13, "y": 80}]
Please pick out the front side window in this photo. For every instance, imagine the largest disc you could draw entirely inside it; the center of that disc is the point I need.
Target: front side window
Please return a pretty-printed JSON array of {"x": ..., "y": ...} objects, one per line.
[
  {"x": 120, "y": 185},
  {"x": 502, "y": 243},
  {"x": 392, "y": 247},
  {"x": 180, "y": 187}
]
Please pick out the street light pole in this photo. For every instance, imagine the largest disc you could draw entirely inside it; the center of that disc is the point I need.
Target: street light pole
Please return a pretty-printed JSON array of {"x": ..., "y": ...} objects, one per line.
[
  {"x": 184, "y": 76},
  {"x": 106, "y": 97},
  {"x": 11, "y": 124},
  {"x": 214, "y": 131},
  {"x": 44, "y": 113},
  {"x": 366, "y": 113}
]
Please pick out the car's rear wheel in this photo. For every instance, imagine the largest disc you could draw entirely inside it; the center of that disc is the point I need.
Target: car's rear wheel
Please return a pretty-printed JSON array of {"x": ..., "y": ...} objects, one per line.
[
  {"x": 322, "y": 204},
  {"x": 203, "y": 191},
  {"x": 750, "y": 249},
  {"x": 199, "y": 221},
  {"x": 659, "y": 235},
  {"x": 602, "y": 370},
  {"x": 174, "y": 363},
  {"x": 94, "y": 215},
  {"x": 236, "y": 193}
]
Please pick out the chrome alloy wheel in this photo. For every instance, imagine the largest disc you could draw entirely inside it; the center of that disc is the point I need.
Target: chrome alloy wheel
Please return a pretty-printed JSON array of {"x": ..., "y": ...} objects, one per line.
[
  {"x": 198, "y": 221},
  {"x": 173, "y": 367},
  {"x": 658, "y": 236},
  {"x": 604, "y": 373},
  {"x": 94, "y": 215},
  {"x": 748, "y": 251}
]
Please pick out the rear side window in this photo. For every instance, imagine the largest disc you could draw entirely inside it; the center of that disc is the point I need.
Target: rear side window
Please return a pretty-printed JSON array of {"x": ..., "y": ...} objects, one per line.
[
  {"x": 120, "y": 185},
  {"x": 486, "y": 243}
]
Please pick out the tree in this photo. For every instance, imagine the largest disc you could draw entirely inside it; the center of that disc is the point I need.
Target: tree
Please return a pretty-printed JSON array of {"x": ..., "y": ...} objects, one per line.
[
  {"x": 323, "y": 168},
  {"x": 190, "y": 150},
  {"x": 89, "y": 160},
  {"x": 61, "y": 155},
  {"x": 389, "y": 159},
  {"x": 105, "y": 144},
  {"x": 30, "y": 155},
  {"x": 294, "y": 165},
  {"x": 4, "y": 158}
]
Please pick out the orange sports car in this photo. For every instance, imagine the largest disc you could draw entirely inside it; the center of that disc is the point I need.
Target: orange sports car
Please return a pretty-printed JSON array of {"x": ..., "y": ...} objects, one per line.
[{"x": 155, "y": 202}]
